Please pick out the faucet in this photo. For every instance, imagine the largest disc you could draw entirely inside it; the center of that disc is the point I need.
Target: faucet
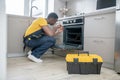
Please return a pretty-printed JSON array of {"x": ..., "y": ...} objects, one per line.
[{"x": 31, "y": 10}]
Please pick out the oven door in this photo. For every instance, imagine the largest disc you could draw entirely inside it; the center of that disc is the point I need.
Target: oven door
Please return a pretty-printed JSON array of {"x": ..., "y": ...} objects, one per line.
[{"x": 73, "y": 35}]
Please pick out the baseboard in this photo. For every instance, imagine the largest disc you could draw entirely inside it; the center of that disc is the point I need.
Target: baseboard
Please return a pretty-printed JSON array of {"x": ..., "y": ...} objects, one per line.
[
  {"x": 16, "y": 54},
  {"x": 108, "y": 65}
]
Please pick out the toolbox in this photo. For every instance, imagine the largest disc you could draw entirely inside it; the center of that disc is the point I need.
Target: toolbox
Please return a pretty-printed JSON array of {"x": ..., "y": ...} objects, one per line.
[{"x": 83, "y": 63}]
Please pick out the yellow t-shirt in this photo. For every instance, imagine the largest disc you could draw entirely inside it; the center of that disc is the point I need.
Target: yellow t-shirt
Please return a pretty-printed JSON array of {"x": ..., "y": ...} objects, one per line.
[{"x": 36, "y": 25}]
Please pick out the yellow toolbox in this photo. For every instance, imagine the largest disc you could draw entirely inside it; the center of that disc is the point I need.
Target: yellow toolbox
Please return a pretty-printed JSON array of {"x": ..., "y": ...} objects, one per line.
[{"x": 83, "y": 63}]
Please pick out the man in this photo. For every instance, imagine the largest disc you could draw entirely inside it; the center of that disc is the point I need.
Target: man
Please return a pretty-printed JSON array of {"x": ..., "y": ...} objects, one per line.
[{"x": 39, "y": 36}]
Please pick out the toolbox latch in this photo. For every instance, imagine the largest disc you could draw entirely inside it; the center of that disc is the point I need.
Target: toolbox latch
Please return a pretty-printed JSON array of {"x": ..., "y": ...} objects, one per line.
[
  {"x": 95, "y": 60},
  {"x": 76, "y": 60}
]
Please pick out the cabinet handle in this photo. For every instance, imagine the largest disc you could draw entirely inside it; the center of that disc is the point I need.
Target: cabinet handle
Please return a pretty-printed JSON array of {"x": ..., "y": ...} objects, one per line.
[
  {"x": 99, "y": 18},
  {"x": 101, "y": 41},
  {"x": 95, "y": 41},
  {"x": 98, "y": 41}
]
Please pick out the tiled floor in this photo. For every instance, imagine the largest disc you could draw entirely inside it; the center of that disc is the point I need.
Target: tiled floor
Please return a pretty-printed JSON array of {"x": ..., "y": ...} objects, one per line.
[{"x": 53, "y": 68}]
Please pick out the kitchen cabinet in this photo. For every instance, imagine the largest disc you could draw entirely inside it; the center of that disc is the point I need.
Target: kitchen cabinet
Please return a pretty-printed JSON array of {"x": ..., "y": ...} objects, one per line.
[
  {"x": 99, "y": 34},
  {"x": 16, "y": 30},
  {"x": 103, "y": 47},
  {"x": 17, "y": 26},
  {"x": 100, "y": 25}
]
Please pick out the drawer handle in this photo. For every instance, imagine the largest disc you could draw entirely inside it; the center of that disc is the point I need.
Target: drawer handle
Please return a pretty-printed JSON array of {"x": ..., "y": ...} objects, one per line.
[
  {"x": 99, "y": 18},
  {"x": 95, "y": 41},
  {"x": 98, "y": 41}
]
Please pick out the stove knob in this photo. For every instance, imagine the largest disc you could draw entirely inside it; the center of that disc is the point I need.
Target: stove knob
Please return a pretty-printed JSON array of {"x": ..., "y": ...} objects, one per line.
[
  {"x": 67, "y": 22},
  {"x": 74, "y": 21},
  {"x": 70, "y": 21}
]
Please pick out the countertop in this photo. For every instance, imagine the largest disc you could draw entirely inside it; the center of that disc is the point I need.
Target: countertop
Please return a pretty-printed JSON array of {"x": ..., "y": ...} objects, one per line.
[
  {"x": 97, "y": 12},
  {"x": 20, "y": 16},
  {"x": 102, "y": 11}
]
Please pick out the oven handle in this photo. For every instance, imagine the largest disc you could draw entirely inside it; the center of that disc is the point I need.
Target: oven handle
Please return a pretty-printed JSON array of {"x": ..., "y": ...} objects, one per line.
[{"x": 73, "y": 24}]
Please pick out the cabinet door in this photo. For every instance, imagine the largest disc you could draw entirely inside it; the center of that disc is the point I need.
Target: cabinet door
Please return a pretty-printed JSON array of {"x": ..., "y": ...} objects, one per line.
[
  {"x": 16, "y": 30},
  {"x": 102, "y": 47},
  {"x": 100, "y": 25}
]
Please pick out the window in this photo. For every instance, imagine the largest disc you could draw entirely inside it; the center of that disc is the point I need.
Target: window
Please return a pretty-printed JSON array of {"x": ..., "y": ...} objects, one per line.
[
  {"x": 40, "y": 10},
  {"x": 50, "y": 6},
  {"x": 15, "y": 7},
  {"x": 44, "y": 7},
  {"x": 23, "y": 7}
]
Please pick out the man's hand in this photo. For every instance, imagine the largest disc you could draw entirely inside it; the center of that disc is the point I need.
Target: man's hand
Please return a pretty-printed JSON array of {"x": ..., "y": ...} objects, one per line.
[{"x": 59, "y": 29}]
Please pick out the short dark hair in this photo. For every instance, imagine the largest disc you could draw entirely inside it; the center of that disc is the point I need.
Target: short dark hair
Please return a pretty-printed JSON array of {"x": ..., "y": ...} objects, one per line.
[{"x": 52, "y": 15}]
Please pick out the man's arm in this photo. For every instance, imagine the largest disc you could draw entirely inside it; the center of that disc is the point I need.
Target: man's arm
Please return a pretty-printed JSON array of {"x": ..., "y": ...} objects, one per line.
[
  {"x": 53, "y": 32},
  {"x": 48, "y": 31}
]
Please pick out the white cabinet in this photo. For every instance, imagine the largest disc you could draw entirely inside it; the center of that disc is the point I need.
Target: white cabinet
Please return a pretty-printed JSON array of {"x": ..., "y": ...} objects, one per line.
[
  {"x": 100, "y": 25},
  {"x": 99, "y": 34},
  {"x": 103, "y": 47},
  {"x": 16, "y": 29}
]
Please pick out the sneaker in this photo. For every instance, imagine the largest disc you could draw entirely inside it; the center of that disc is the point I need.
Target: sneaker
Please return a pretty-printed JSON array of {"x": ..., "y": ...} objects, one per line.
[
  {"x": 34, "y": 59},
  {"x": 29, "y": 53}
]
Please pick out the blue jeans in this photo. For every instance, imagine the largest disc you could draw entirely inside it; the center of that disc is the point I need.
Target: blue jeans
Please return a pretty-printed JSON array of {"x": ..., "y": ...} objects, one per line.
[{"x": 41, "y": 45}]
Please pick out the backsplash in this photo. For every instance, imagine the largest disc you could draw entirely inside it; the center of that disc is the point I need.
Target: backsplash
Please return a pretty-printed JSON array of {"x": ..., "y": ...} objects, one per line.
[{"x": 81, "y": 6}]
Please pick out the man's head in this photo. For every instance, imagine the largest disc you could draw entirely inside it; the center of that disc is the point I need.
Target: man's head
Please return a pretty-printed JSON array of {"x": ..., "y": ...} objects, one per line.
[{"x": 52, "y": 18}]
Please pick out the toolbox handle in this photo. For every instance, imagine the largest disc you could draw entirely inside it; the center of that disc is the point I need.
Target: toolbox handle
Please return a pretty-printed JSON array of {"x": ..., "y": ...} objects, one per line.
[{"x": 83, "y": 52}]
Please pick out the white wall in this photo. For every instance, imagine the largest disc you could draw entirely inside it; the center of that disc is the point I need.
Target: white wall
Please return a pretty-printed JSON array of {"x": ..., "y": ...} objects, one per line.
[
  {"x": 75, "y": 6},
  {"x": 26, "y": 7},
  {"x": 57, "y": 5},
  {"x": 3, "y": 41},
  {"x": 2, "y": 6},
  {"x": 81, "y": 6}
]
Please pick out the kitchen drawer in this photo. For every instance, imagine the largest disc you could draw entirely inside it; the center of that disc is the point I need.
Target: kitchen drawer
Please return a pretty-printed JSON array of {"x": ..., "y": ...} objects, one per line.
[
  {"x": 100, "y": 25},
  {"x": 101, "y": 46}
]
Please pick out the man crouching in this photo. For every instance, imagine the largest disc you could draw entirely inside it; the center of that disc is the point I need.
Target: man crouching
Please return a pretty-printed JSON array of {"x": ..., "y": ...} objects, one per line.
[{"x": 39, "y": 36}]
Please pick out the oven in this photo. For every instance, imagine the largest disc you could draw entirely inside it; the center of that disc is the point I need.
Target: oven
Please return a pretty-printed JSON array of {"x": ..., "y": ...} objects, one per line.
[{"x": 73, "y": 34}]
